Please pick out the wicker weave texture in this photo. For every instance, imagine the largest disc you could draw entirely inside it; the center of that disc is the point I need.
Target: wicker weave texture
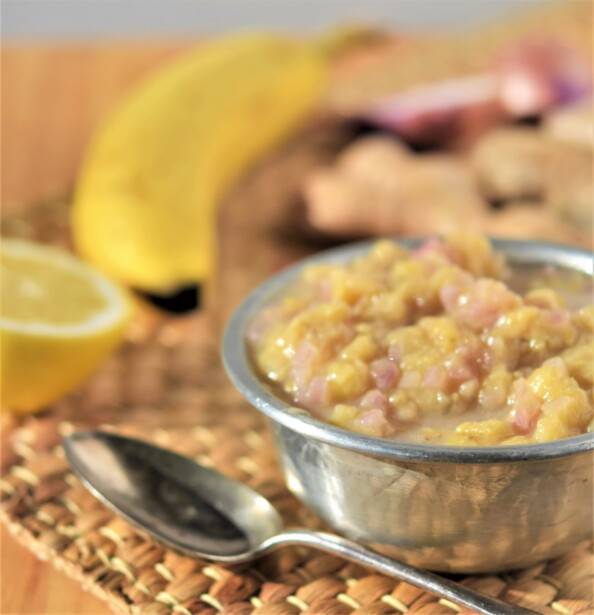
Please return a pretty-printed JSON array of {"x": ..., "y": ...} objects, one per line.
[{"x": 166, "y": 385}]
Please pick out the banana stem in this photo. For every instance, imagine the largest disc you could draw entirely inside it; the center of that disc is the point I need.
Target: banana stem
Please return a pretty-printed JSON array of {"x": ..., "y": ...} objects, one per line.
[{"x": 342, "y": 38}]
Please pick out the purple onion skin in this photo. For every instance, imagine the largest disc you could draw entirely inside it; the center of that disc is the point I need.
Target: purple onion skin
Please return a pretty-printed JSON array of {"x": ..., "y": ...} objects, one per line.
[
  {"x": 553, "y": 73},
  {"x": 528, "y": 79}
]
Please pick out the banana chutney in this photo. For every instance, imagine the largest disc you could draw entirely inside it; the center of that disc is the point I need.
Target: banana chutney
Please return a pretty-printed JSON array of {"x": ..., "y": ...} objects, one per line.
[{"x": 431, "y": 345}]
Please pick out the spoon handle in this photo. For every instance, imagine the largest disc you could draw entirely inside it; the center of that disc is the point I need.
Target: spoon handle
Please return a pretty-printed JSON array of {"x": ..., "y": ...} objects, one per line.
[{"x": 435, "y": 584}]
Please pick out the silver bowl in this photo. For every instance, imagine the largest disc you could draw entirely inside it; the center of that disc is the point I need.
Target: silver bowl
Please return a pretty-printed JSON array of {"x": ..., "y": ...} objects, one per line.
[{"x": 457, "y": 509}]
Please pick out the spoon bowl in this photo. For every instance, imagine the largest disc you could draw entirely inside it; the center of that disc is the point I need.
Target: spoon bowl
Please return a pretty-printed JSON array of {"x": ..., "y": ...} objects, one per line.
[
  {"x": 173, "y": 498},
  {"x": 201, "y": 513}
]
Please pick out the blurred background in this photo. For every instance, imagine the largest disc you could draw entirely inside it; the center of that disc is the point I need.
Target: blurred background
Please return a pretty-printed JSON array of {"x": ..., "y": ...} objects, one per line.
[
  {"x": 412, "y": 117},
  {"x": 55, "y": 19}
]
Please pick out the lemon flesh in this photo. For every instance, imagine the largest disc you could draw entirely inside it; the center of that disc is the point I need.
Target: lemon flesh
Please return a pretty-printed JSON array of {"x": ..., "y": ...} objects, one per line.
[{"x": 58, "y": 320}]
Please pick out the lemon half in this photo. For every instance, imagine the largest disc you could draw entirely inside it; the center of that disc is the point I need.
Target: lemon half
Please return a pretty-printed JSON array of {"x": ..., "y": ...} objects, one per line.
[{"x": 58, "y": 320}]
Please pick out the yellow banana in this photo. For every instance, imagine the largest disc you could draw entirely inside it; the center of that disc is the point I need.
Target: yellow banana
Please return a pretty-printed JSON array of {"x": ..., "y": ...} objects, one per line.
[{"x": 145, "y": 201}]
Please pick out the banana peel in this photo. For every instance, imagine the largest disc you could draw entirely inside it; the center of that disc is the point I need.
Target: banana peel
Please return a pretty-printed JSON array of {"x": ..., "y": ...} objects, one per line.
[{"x": 145, "y": 202}]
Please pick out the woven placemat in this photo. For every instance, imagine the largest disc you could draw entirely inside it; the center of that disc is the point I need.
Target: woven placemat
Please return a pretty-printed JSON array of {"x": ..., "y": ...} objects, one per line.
[{"x": 166, "y": 385}]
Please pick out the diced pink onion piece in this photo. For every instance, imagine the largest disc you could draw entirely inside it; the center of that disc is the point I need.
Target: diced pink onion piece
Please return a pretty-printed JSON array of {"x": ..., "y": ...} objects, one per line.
[
  {"x": 481, "y": 304},
  {"x": 374, "y": 399},
  {"x": 449, "y": 296},
  {"x": 525, "y": 409},
  {"x": 436, "y": 377},
  {"x": 374, "y": 422},
  {"x": 314, "y": 396},
  {"x": 385, "y": 373},
  {"x": 461, "y": 372},
  {"x": 303, "y": 362}
]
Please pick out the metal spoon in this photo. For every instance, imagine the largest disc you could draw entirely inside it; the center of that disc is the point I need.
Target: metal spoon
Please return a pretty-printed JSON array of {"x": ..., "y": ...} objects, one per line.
[{"x": 203, "y": 514}]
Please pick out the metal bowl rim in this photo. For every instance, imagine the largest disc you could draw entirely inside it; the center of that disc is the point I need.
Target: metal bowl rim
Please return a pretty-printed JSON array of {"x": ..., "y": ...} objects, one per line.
[{"x": 240, "y": 370}]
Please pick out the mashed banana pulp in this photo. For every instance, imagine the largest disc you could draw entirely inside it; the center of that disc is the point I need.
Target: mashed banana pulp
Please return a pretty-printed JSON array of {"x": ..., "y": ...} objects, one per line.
[{"x": 430, "y": 346}]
